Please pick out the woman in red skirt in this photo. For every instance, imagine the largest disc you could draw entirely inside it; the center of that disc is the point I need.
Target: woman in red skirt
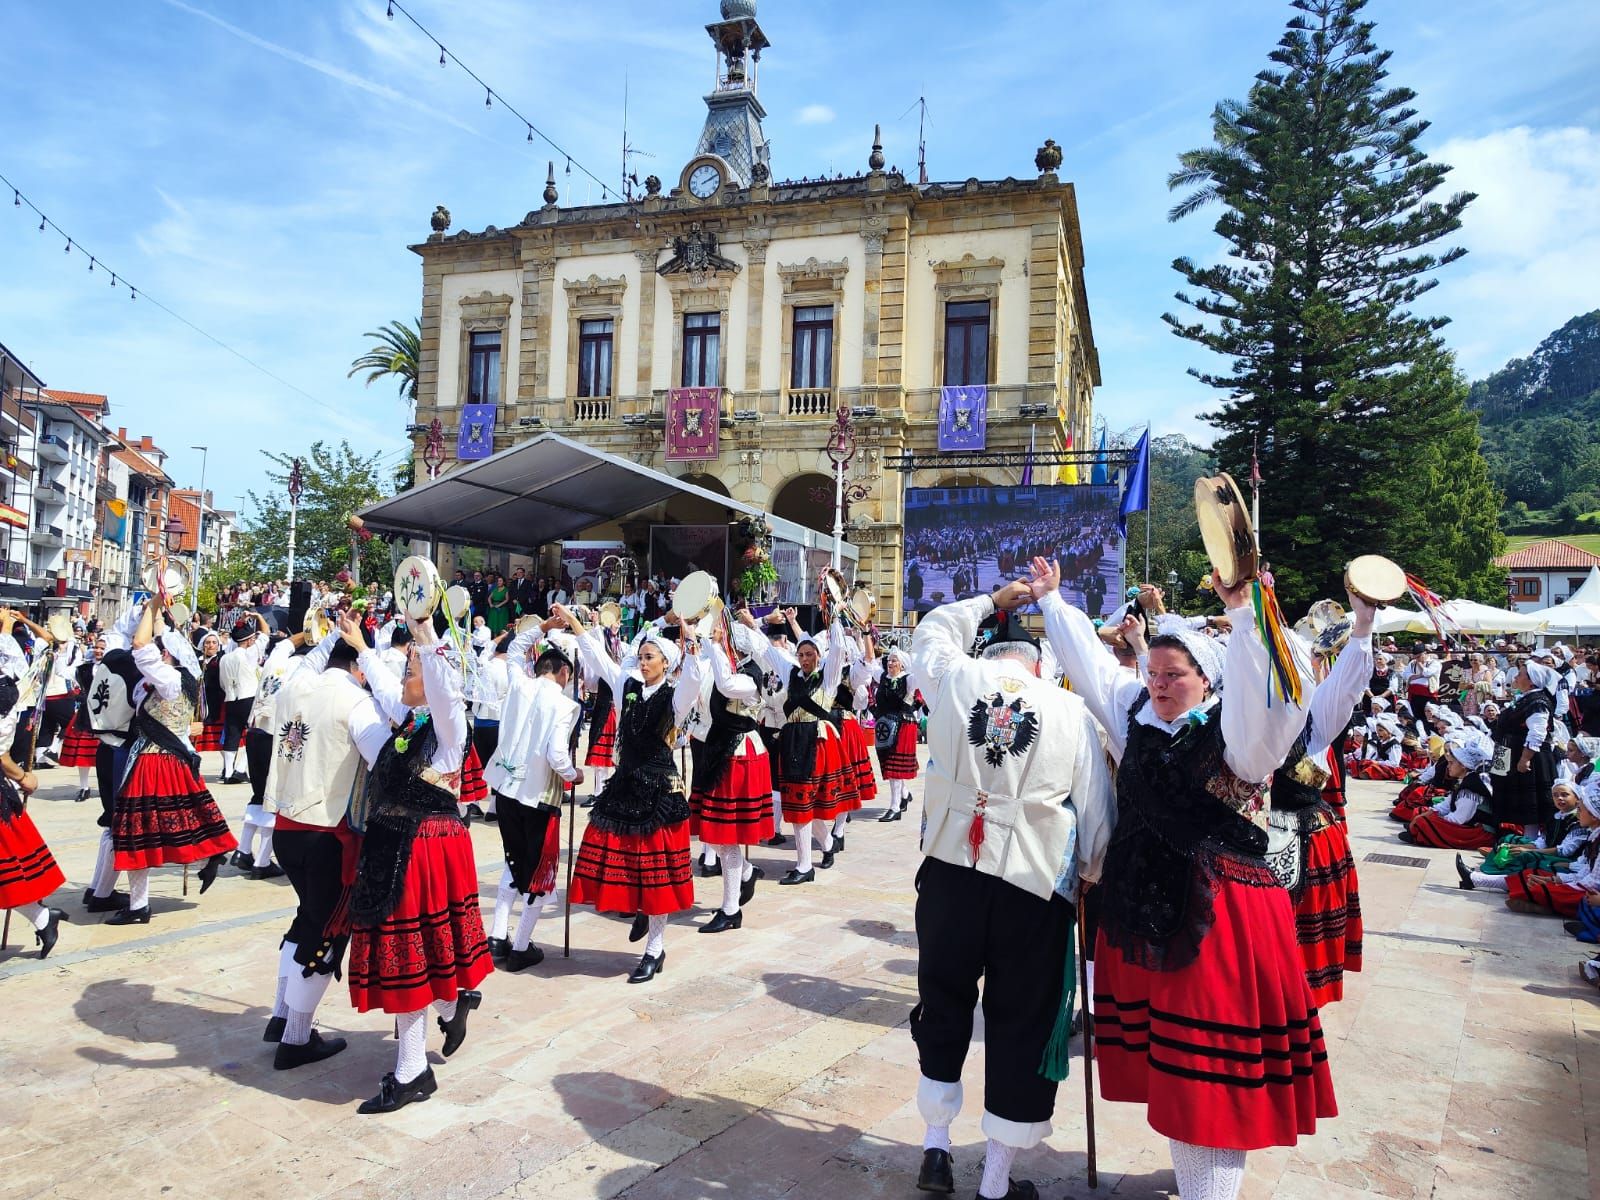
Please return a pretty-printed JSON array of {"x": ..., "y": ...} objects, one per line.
[
  {"x": 732, "y": 785},
  {"x": 416, "y": 934},
  {"x": 79, "y": 744},
  {"x": 212, "y": 703},
  {"x": 850, "y": 699},
  {"x": 894, "y": 709},
  {"x": 1202, "y": 1010},
  {"x": 162, "y": 814},
  {"x": 28, "y": 871},
  {"x": 602, "y": 739},
  {"x": 635, "y": 852},
  {"x": 1455, "y": 822}
]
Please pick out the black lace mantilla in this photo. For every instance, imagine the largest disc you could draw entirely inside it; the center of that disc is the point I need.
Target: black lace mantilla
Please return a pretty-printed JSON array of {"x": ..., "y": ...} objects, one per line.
[
  {"x": 398, "y": 800},
  {"x": 645, "y": 794},
  {"x": 1177, "y": 837}
]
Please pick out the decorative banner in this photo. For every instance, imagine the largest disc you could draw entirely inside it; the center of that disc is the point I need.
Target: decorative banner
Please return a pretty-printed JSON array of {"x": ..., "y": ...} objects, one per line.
[
  {"x": 963, "y": 418},
  {"x": 114, "y": 521},
  {"x": 694, "y": 420},
  {"x": 477, "y": 432}
]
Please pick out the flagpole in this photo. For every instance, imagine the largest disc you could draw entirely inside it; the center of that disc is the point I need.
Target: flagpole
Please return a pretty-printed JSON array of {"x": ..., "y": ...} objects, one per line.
[
  {"x": 1255, "y": 494},
  {"x": 1146, "y": 578}
]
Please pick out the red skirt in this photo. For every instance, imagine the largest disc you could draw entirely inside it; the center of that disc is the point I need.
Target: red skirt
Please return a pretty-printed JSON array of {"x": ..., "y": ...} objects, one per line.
[
  {"x": 603, "y": 747},
  {"x": 1542, "y": 888},
  {"x": 165, "y": 816},
  {"x": 432, "y": 945},
  {"x": 831, "y": 790},
  {"x": 1366, "y": 768},
  {"x": 473, "y": 789},
  {"x": 1227, "y": 1051},
  {"x": 1430, "y": 829},
  {"x": 78, "y": 744},
  {"x": 210, "y": 737},
  {"x": 1327, "y": 916},
  {"x": 635, "y": 873},
  {"x": 899, "y": 761},
  {"x": 737, "y": 811},
  {"x": 860, "y": 760},
  {"x": 28, "y": 871}
]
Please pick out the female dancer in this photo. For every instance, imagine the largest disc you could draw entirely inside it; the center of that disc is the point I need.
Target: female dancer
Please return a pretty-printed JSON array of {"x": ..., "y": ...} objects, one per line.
[
  {"x": 1200, "y": 993},
  {"x": 896, "y": 702},
  {"x": 28, "y": 871},
  {"x": 1523, "y": 767}
]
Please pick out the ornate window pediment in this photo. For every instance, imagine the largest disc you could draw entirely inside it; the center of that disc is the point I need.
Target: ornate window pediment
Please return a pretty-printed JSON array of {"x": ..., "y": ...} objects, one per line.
[{"x": 695, "y": 254}]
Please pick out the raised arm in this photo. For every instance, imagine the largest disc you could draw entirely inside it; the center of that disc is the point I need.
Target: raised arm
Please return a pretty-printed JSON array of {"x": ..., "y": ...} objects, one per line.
[
  {"x": 598, "y": 663},
  {"x": 834, "y": 663},
  {"x": 1106, "y": 688},
  {"x": 939, "y": 645},
  {"x": 693, "y": 688},
  {"x": 1337, "y": 696},
  {"x": 441, "y": 683},
  {"x": 1258, "y": 726},
  {"x": 728, "y": 681}
]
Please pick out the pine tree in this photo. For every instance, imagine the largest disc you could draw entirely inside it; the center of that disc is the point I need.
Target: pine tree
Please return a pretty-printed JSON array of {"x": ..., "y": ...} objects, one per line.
[{"x": 1326, "y": 210}]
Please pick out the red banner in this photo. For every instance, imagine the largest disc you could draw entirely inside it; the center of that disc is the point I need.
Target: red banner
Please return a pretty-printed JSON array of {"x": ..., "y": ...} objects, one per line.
[{"x": 694, "y": 420}]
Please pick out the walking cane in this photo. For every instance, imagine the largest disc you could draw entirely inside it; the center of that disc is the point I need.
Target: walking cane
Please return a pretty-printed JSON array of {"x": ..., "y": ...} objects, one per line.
[
  {"x": 1088, "y": 1046},
  {"x": 572, "y": 820}
]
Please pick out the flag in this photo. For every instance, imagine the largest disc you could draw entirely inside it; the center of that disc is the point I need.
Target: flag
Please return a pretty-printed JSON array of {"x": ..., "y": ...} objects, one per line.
[
  {"x": 963, "y": 418},
  {"x": 1102, "y": 472},
  {"x": 1069, "y": 472},
  {"x": 1136, "y": 495},
  {"x": 476, "y": 439},
  {"x": 694, "y": 423},
  {"x": 1027, "y": 467},
  {"x": 114, "y": 522}
]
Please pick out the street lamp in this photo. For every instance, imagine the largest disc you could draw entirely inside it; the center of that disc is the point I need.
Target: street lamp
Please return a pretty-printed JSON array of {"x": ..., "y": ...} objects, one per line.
[
  {"x": 200, "y": 538},
  {"x": 1173, "y": 588}
]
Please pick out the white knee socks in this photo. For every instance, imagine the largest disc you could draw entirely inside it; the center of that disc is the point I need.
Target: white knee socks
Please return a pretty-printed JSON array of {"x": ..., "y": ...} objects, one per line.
[
  {"x": 602, "y": 775},
  {"x": 709, "y": 854},
  {"x": 656, "y": 942},
  {"x": 802, "y": 849},
  {"x": 83, "y": 778},
  {"x": 1205, "y": 1173},
  {"x": 34, "y": 914},
  {"x": 997, "y": 1159},
  {"x": 227, "y": 762},
  {"x": 777, "y": 812},
  {"x": 105, "y": 874},
  {"x": 446, "y": 1009},
  {"x": 264, "y": 848},
  {"x": 839, "y": 823},
  {"x": 286, "y": 967},
  {"x": 823, "y": 832},
  {"x": 411, "y": 1032},
  {"x": 139, "y": 888},
  {"x": 302, "y": 998},
  {"x": 733, "y": 865},
  {"x": 505, "y": 898},
  {"x": 530, "y": 918},
  {"x": 1490, "y": 883},
  {"x": 247, "y": 839}
]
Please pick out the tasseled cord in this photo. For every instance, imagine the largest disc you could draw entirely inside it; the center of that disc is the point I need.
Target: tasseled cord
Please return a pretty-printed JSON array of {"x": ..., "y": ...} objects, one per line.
[
  {"x": 1057, "y": 1062},
  {"x": 1285, "y": 678}
]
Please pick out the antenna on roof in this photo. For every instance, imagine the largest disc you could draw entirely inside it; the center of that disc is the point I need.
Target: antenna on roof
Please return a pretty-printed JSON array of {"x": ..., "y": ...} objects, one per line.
[
  {"x": 630, "y": 178},
  {"x": 922, "y": 141}
]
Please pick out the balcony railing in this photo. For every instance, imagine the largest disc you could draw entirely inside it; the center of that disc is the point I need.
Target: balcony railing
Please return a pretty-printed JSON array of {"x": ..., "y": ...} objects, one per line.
[
  {"x": 811, "y": 402},
  {"x": 12, "y": 570},
  {"x": 53, "y": 448},
  {"x": 588, "y": 409}
]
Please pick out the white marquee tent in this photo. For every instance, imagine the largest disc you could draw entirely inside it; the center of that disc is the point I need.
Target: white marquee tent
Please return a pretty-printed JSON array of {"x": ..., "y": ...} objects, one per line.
[{"x": 1577, "y": 615}]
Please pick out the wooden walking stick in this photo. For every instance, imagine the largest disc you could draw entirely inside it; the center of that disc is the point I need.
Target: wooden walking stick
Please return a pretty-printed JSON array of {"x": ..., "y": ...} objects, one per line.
[
  {"x": 1088, "y": 1045},
  {"x": 572, "y": 818}
]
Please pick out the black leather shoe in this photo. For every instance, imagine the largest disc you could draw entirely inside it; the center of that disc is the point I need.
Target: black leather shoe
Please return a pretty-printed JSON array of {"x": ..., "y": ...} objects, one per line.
[
  {"x": 827, "y": 860},
  {"x": 776, "y": 840},
  {"x": 1573, "y": 927},
  {"x": 1466, "y": 884},
  {"x": 455, "y": 1029},
  {"x": 747, "y": 889},
  {"x": 937, "y": 1174},
  {"x": 474, "y": 813},
  {"x": 92, "y": 903},
  {"x": 393, "y": 1095},
  {"x": 797, "y": 876},
  {"x": 491, "y": 817},
  {"x": 208, "y": 873},
  {"x": 838, "y": 843},
  {"x": 241, "y": 860},
  {"x": 589, "y": 803},
  {"x": 892, "y": 814},
  {"x": 316, "y": 1049},
  {"x": 83, "y": 794},
  {"x": 130, "y": 916},
  {"x": 722, "y": 921},
  {"x": 1018, "y": 1189},
  {"x": 641, "y": 926},
  {"x": 649, "y": 967},
  {"x": 274, "y": 1029},
  {"x": 271, "y": 871},
  {"x": 46, "y": 937},
  {"x": 499, "y": 948},
  {"x": 1405, "y": 836},
  {"x": 519, "y": 960},
  {"x": 705, "y": 871}
]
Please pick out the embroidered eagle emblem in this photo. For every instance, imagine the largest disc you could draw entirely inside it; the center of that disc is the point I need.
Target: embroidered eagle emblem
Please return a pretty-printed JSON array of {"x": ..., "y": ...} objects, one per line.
[
  {"x": 963, "y": 420},
  {"x": 292, "y": 738},
  {"x": 1001, "y": 728},
  {"x": 692, "y": 423}
]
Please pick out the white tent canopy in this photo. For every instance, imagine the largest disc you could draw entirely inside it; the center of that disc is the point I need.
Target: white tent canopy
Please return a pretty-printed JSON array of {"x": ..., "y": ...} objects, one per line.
[
  {"x": 1579, "y": 613},
  {"x": 1466, "y": 615}
]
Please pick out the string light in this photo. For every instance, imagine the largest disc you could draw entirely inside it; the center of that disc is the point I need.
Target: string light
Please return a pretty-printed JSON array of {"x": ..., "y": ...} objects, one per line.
[
  {"x": 390, "y": 13},
  {"x": 19, "y": 201},
  {"x": 487, "y": 98}
]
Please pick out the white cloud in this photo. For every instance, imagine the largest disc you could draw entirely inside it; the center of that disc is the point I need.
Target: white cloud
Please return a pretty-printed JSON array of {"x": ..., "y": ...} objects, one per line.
[
  {"x": 1533, "y": 240},
  {"x": 816, "y": 114}
]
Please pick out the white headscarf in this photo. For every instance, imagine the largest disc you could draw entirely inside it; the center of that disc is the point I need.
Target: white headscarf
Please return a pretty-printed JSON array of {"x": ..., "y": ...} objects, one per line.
[
  {"x": 1205, "y": 651},
  {"x": 669, "y": 650},
  {"x": 1588, "y": 746},
  {"x": 1589, "y": 796},
  {"x": 175, "y": 644},
  {"x": 1543, "y": 676},
  {"x": 1469, "y": 748}
]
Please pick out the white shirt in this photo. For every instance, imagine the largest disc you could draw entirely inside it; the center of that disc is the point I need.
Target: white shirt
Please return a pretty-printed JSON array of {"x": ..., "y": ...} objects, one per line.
[
  {"x": 535, "y": 747},
  {"x": 63, "y": 669},
  {"x": 240, "y": 669}
]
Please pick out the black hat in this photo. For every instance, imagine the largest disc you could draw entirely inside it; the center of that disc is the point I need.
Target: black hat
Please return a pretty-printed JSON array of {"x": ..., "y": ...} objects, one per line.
[
  {"x": 245, "y": 629},
  {"x": 1002, "y": 627}
]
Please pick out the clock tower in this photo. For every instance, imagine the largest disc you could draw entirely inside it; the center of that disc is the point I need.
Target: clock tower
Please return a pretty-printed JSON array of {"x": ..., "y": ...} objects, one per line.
[{"x": 732, "y": 132}]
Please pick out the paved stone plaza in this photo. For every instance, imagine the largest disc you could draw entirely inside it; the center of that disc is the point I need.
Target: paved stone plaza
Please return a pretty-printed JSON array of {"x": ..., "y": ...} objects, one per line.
[{"x": 774, "y": 1061}]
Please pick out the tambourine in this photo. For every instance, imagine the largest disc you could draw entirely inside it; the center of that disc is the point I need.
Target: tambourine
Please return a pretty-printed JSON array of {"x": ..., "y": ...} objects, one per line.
[
  {"x": 417, "y": 587},
  {"x": 862, "y": 608},
  {"x": 316, "y": 626},
  {"x": 458, "y": 603},
  {"x": 528, "y": 622},
  {"x": 60, "y": 628},
  {"x": 696, "y": 603},
  {"x": 163, "y": 584},
  {"x": 610, "y": 615},
  {"x": 1225, "y": 529},
  {"x": 1375, "y": 579},
  {"x": 180, "y": 614}
]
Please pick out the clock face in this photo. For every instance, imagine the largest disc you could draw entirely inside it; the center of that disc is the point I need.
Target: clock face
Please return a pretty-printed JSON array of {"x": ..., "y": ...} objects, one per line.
[{"x": 704, "y": 181}]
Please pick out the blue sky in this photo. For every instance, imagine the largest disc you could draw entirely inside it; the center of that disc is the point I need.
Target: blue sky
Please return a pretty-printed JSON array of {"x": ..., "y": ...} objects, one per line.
[{"x": 261, "y": 168}]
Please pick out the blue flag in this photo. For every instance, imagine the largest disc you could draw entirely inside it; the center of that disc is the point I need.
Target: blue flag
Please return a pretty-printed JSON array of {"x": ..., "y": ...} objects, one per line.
[
  {"x": 963, "y": 418},
  {"x": 476, "y": 439},
  {"x": 1102, "y": 472},
  {"x": 1136, "y": 496}
]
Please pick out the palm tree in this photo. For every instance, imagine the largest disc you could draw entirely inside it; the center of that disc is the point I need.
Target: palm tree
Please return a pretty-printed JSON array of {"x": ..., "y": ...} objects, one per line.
[{"x": 397, "y": 350}]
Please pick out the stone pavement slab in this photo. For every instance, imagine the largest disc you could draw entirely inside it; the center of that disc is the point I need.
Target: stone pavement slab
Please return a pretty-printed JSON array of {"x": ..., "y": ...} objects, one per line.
[{"x": 770, "y": 1062}]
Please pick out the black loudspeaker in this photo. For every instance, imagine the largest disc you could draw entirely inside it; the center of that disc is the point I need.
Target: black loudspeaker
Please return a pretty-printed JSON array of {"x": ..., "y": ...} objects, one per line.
[{"x": 299, "y": 602}]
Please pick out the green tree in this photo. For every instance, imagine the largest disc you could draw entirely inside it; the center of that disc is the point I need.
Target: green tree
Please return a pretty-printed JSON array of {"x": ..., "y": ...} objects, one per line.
[
  {"x": 1326, "y": 212},
  {"x": 338, "y": 481},
  {"x": 396, "y": 352}
]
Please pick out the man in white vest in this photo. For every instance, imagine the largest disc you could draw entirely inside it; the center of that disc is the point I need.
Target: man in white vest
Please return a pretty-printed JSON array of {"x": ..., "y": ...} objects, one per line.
[
  {"x": 1019, "y": 812},
  {"x": 329, "y": 726},
  {"x": 531, "y": 765}
]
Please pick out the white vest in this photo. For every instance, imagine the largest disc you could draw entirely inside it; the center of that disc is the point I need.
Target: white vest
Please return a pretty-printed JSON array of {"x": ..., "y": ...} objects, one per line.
[{"x": 314, "y": 759}]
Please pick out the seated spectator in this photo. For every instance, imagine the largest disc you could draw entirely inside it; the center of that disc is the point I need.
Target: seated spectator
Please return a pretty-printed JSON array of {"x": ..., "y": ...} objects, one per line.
[
  {"x": 1562, "y": 892},
  {"x": 1516, "y": 853},
  {"x": 1456, "y": 820}
]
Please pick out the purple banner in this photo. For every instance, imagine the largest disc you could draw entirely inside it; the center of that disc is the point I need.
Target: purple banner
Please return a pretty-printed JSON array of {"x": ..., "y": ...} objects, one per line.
[
  {"x": 476, "y": 439},
  {"x": 694, "y": 419},
  {"x": 963, "y": 418}
]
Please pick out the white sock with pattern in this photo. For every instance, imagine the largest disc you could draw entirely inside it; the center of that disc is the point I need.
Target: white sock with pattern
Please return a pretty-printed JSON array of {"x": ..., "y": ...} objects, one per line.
[
  {"x": 447, "y": 1009},
  {"x": 839, "y": 823},
  {"x": 1491, "y": 883},
  {"x": 749, "y": 867},
  {"x": 530, "y": 918},
  {"x": 505, "y": 899},
  {"x": 411, "y": 1032},
  {"x": 732, "y": 877},
  {"x": 302, "y": 997},
  {"x": 777, "y": 811},
  {"x": 1206, "y": 1173},
  {"x": 997, "y": 1159},
  {"x": 286, "y": 967},
  {"x": 802, "y": 849},
  {"x": 823, "y": 832},
  {"x": 139, "y": 888},
  {"x": 656, "y": 942}
]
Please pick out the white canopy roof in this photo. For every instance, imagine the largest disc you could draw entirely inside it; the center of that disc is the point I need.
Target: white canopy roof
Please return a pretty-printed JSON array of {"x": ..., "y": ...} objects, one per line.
[{"x": 1467, "y": 615}]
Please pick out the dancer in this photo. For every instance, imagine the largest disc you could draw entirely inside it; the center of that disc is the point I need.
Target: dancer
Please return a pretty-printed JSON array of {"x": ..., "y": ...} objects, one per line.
[
  {"x": 60, "y": 691},
  {"x": 417, "y": 936},
  {"x": 213, "y": 708},
  {"x": 1201, "y": 1005},
  {"x": 28, "y": 871},
  {"x": 240, "y": 675},
  {"x": 532, "y": 763},
  {"x": 114, "y": 686},
  {"x": 282, "y": 659},
  {"x": 331, "y": 726},
  {"x": 163, "y": 815},
  {"x": 635, "y": 852},
  {"x": 1019, "y": 810},
  {"x": 78, "y": 744},
  {"x": 494, "y": 677},
  {"x": 894, "y": 713},
  {"x": 772, "y": 718},
  {"x": 732, "y": 779},
  {"x": 601, "y": 758}
]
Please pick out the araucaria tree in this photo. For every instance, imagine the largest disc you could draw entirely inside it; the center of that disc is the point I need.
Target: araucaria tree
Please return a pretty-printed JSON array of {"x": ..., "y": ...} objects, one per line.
[{"x": 1328, "y": 212}]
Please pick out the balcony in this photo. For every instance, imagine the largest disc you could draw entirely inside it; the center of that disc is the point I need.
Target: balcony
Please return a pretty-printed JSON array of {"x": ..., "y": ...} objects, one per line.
[
  {"x": 587, "y": 410},
  {"x": 104, "y": 491},
  {"x": 49, "y": 494},
  {"x": 811, "y": 402},
  {"x": 46, "y": 535},
  {"x": 53, "y": 449}
]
